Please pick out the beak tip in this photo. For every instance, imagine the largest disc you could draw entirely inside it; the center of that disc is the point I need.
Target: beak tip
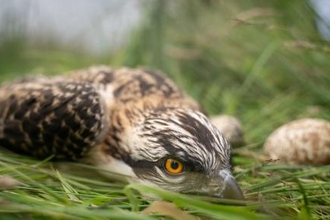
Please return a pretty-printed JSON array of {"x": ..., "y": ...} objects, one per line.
[
  {"x": 231, "y": 189},
  {"x": 233, "y": 192}
]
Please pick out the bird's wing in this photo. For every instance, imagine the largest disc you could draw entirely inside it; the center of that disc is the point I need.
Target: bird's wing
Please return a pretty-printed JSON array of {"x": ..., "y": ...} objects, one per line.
[{"x": 44, "y": 117}]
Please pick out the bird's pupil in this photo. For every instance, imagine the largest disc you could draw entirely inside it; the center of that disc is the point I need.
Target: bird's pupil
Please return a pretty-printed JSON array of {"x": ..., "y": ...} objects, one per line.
[{"x": 175, "y": 165}]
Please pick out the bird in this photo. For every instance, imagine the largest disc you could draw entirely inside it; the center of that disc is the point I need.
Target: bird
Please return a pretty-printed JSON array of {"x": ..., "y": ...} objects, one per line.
[{"x": 130, "y": 121}]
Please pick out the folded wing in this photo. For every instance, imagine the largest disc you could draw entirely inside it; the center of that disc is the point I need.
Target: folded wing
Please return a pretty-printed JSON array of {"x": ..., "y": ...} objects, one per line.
[{"x": 44, "y": 117}]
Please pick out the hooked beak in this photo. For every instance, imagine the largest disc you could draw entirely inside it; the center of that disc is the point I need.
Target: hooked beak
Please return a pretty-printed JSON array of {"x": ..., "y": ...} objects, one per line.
[
  {"x": 229, "y": 188},
  {"x": 221, "y": 185}
]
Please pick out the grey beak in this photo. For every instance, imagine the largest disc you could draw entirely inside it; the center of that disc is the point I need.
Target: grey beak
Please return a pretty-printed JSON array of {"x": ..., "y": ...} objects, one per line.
[
  {"x": 229, "y": 188},
  {"x": 220, "y": 185}
]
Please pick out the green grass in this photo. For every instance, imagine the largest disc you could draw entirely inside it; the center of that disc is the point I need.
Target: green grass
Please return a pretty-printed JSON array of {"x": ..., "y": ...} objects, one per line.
[{"x": 261, "y": 61}]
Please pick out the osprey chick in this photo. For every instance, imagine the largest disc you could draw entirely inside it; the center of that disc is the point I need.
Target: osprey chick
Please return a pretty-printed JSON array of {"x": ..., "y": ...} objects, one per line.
[{"x": 129, "y": 121}]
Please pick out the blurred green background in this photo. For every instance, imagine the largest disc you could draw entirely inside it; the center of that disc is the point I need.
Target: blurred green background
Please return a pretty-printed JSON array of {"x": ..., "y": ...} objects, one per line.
[{"x": 262, "y": 61}]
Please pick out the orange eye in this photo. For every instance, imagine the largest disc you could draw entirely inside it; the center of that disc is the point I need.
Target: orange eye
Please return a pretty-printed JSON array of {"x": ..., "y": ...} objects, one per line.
[{"x": 173, "y": 166}]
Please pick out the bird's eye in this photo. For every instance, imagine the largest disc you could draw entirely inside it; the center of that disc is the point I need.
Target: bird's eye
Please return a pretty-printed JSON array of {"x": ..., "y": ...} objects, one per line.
[{"x": 173, "y": 166}]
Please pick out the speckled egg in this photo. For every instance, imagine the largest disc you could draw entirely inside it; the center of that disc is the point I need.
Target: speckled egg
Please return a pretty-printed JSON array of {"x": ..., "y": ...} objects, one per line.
[
  {"x": 302, "y": 142},
  {"x": 230, "y": 127}
]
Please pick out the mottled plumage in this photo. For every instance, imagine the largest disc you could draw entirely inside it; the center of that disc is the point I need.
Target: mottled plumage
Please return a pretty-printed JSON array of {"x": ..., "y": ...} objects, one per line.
[{"x": 129, "y": 121}]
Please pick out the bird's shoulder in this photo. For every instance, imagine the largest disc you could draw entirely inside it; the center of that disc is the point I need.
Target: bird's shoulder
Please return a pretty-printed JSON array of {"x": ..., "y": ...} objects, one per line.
[{"x": 140, "y": 87}]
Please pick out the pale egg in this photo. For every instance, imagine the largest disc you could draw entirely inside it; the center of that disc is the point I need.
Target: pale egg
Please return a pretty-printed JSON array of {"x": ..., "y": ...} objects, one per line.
[{"x": 303, "y": 142}]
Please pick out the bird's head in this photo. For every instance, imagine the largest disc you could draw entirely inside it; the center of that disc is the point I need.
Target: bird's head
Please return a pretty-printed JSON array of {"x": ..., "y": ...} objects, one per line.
[{"x": 180, "y": 150}]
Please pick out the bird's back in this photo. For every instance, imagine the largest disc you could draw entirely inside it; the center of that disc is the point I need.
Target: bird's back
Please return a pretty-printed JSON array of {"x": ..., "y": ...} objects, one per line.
[
  {"x": 65, "y": 116},
  {"x": 127, "y": 86}
]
